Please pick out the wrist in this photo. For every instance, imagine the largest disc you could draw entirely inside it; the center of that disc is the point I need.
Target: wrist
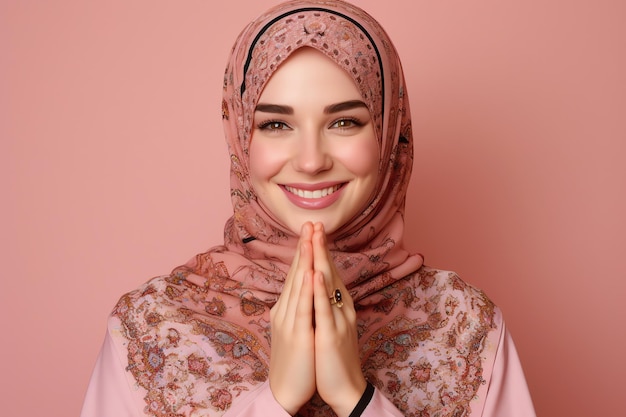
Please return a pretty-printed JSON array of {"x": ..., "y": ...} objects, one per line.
[
  {"x": 363, "y": 401},
  {"x": 354, "y": 404},
  {"x": 285, "y": 400}
]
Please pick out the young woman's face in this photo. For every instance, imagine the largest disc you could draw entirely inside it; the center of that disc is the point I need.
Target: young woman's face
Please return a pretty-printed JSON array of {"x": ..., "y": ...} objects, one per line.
[{"x": 313, "y": 153}]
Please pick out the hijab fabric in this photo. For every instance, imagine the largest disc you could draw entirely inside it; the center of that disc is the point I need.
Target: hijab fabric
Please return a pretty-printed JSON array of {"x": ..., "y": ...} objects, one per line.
[{"x": 368, "y": 251}]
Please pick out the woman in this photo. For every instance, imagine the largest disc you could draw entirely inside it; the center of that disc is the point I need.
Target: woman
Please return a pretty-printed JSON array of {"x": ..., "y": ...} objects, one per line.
[{"x": 312, "y": 306}]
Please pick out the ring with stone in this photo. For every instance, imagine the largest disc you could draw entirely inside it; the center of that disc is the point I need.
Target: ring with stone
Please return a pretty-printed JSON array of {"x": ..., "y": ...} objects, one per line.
[{"x": 337, "y": 298}]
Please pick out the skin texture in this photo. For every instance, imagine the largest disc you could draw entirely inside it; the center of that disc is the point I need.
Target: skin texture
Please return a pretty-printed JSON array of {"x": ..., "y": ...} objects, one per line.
[
  {"x": 301, "y": 139},
  {"x": 314, "y": 145}
]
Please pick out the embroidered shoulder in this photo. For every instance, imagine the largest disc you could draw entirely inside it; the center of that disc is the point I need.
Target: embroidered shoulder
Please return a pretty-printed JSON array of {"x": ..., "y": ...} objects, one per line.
[
  {"x": 188, "y": 362},
  {"x": 428, "y": 356}
]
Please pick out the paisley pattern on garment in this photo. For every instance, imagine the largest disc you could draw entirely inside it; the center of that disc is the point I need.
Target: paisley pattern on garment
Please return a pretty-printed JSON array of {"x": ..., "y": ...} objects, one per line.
[
  {"x": 198, "y": 341},
  {"x": 422, "y": 340}
]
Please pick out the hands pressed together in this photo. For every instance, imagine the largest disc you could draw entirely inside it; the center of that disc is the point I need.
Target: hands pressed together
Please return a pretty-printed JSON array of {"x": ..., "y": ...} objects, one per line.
[{"x": 314, "y": 343}]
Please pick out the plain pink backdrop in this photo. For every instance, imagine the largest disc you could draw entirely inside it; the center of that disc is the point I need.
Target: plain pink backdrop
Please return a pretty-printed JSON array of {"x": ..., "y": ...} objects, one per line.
[{"x": 113, "y": 169}]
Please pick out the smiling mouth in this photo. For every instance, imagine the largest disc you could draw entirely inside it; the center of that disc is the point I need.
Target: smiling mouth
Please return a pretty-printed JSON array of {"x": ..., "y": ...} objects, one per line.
[{"x": 312, "y": 194}]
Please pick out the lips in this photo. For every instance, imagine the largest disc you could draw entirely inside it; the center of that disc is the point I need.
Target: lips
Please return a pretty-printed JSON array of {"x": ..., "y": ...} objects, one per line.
[{"x": 313, "y": 196}]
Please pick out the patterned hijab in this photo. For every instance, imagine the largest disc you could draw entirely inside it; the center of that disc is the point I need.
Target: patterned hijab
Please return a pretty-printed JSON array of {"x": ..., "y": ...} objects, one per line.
[
  {"x": 200, "y": 337},
  {"x": 368, "y": 250}
]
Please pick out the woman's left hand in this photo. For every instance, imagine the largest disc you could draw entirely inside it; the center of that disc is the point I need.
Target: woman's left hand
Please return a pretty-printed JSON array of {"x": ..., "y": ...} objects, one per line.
[{"x": 339, "y": 378}]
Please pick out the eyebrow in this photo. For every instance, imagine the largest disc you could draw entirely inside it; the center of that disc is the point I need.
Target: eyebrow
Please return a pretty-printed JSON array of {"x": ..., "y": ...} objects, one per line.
[
  {"x": 274, "y": 108},
  {"x": 331, "y": 108},
  {"x": 345, "y": 105}
]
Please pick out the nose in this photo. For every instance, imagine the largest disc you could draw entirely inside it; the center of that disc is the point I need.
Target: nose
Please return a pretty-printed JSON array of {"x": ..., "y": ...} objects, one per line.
[{"x": 311, "y": 155}]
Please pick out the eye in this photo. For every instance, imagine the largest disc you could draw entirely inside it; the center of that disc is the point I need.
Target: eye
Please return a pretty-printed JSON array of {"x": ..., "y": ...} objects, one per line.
[
  {"x": 272, "y": 125},
  {"x": 346, "y": 123}
]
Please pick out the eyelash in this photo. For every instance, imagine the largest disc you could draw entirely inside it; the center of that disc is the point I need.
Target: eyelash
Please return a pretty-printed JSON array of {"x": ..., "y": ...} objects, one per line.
[
  {"x": 356, "y": 122},
  {"x": 265, "y": 125}
]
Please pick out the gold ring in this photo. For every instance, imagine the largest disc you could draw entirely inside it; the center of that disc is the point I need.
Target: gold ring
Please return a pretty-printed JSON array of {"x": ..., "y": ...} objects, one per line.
[{"x": 337, "y": 298}]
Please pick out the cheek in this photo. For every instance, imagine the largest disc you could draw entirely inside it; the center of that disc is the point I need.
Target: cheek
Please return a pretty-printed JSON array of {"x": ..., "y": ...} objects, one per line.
[
  {"x": 362, "y": 159},
  {"x": 265, "y": 162}
]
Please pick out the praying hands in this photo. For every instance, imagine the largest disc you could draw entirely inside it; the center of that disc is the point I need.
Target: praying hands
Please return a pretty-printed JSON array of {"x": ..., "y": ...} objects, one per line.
[{"x": 314, "y": 337}]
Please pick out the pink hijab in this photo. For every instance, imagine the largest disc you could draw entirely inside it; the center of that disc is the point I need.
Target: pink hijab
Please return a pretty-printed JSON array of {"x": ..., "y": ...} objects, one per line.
[{"x": 368, "y": 250}]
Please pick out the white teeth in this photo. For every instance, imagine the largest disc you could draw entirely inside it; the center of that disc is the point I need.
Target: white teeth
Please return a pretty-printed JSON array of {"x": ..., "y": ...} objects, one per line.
[{"x": 312, "y": 194}]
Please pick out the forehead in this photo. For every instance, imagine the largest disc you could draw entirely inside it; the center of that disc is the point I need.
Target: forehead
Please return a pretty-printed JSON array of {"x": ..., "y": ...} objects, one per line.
[
  {"x": 308, "y": 77},
  {"x": 340, "y": 37}
]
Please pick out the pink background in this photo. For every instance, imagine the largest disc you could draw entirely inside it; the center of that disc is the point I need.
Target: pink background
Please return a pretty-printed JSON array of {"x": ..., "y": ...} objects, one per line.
[{"x": 113, "y": 170}]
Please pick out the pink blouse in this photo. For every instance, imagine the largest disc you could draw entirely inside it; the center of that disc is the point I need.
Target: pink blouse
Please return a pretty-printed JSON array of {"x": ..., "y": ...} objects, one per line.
[{"x": 113, "y": 392}]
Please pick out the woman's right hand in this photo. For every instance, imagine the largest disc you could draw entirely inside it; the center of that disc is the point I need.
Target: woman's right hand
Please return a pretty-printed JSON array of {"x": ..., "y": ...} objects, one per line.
[{"x": 292, "y": 359}]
